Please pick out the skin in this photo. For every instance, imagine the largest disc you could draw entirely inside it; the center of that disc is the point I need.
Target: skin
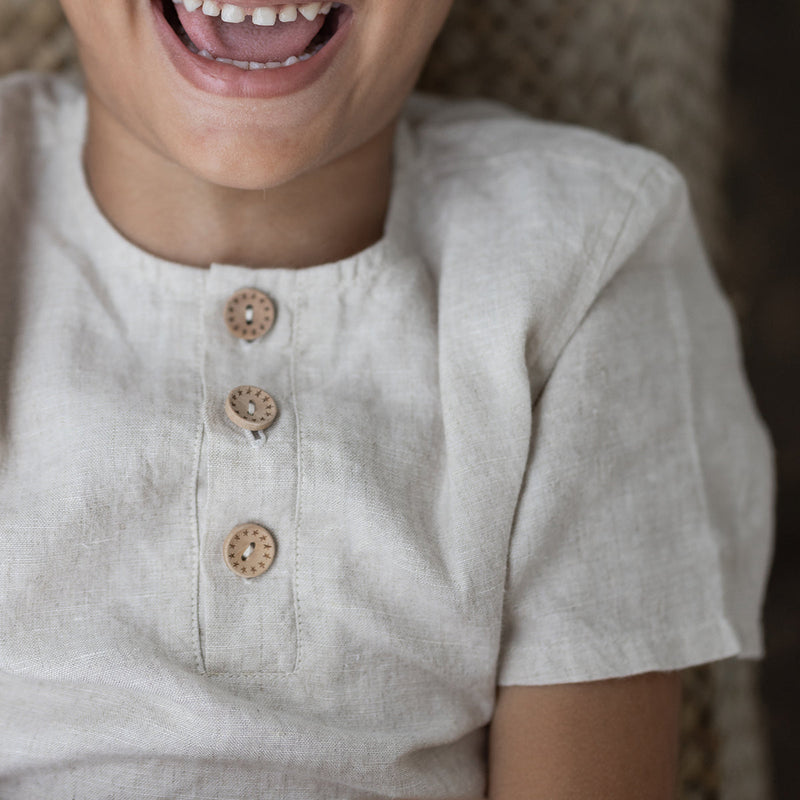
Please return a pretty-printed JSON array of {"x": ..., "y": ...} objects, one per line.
[
  {"x": 604, "y": 740},
  {"x": 201, "y": 179},
  {"x": 244, "y": 181}
]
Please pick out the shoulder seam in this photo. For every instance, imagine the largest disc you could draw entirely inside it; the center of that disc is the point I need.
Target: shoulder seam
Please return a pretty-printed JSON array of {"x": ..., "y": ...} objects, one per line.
[{"x": 605, "y": 276}]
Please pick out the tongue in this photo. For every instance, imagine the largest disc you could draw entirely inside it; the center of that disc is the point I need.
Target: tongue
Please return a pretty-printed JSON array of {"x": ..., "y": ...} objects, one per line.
[{"x": 243, "y": 41}]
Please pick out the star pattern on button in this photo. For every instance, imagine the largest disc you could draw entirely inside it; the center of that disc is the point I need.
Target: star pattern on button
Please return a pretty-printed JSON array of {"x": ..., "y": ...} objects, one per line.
[
  {"x": 250, "y": 408},
  {"x": 249, "y": 314},
  {"x": 249, "y": 550}
]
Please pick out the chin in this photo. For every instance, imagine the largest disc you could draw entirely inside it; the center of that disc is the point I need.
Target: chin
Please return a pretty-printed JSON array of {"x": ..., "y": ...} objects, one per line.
[{"x": 230, "y": 161}]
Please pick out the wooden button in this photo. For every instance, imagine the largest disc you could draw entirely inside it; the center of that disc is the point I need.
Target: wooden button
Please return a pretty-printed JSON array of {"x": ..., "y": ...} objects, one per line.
[
  {"x": 249, "y": 550},
  {"x": 249, "y": 314},
  {"x": 251, "y": 408}
]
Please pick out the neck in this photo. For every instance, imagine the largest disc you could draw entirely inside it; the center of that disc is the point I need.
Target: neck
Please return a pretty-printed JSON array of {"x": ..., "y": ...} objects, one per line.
[{"x": 322, "y": 215}]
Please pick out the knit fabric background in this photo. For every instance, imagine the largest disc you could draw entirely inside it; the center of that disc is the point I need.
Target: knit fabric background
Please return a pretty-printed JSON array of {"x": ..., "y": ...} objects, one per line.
[{"x": 648, "y": 71}]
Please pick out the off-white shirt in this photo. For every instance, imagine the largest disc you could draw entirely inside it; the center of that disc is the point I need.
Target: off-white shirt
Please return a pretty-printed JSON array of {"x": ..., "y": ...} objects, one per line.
[{"x": 514, "y": 445}]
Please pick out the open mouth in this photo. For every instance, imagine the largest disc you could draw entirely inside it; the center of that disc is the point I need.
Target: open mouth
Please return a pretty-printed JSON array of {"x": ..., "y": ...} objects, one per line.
[{"x": 257, "y": 37}]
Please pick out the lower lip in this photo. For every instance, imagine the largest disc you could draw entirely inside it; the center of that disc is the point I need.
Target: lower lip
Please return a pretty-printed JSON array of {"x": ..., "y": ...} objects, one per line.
[{"x": 229, "y": 81}]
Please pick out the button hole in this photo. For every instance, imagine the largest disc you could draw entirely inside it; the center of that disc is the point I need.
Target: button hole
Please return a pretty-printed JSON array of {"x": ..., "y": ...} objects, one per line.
[
  {"x": 248, "y": 314},
  {"x": 251, "y": 408},
  {"x": 247, "y": 553}
]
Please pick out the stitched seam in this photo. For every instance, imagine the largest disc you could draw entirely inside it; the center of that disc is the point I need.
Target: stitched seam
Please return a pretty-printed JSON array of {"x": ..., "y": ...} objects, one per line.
[
  {"x": 299, "y": 488},
  {"x": 200, "y": 338},
  {"x": 603, "y": 278},
  {"x": 713, "y": 632},
  {"x": 201, "y": 666}
]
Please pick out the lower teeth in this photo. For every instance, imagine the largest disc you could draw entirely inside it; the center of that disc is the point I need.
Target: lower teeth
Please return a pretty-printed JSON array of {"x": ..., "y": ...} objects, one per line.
[
  {"x": 311, "y": 50},
  {"x": 252, "y": 65}
]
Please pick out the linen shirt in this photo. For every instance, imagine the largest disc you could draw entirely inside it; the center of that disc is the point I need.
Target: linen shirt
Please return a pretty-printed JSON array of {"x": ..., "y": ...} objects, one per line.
[{"x": 514, "y": 445}]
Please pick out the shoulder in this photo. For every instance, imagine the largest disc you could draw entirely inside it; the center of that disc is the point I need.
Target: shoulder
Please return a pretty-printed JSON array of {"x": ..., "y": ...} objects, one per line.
[
  {"x": 39, "y": 114},
  {"x": 454, "y": 137},
  {"x": 41, "y": 120},
  {"x": 560, "y": 195},
  {"x": 534, "y": 217},
  {"x": 29, "y": 100}
]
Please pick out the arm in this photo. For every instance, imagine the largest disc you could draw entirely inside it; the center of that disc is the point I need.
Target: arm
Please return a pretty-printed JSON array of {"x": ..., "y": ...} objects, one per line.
[{"x": 605, "y": 740}]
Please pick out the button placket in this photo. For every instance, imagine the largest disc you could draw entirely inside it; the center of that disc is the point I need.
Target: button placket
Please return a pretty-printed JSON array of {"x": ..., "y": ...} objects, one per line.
[
  {"x": 249, "y": 624},
  {"x": 249, "y": 549}
]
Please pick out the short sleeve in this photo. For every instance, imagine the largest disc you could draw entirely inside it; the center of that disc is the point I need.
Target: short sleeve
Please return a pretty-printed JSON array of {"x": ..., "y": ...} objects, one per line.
[{"x": 642, "y": 536}]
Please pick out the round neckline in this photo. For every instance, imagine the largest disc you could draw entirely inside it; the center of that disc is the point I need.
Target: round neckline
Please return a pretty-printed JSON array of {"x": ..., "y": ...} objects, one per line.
[{"x": 124, "y": 254}]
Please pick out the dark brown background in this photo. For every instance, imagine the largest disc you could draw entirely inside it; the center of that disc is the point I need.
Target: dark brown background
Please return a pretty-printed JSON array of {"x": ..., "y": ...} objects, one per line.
[{"x": 764, "y": 190}]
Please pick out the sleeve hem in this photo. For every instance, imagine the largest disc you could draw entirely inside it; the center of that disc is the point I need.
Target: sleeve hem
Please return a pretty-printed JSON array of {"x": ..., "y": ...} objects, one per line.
[{"x": 628, "y": 655}]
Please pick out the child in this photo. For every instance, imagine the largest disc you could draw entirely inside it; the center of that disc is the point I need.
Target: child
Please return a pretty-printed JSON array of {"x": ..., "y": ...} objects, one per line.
[{"x": 351, "y": 447}]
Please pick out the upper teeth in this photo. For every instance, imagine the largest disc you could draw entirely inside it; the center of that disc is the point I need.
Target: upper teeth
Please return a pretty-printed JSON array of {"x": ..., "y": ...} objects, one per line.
[{"x": 261, "y": 15}]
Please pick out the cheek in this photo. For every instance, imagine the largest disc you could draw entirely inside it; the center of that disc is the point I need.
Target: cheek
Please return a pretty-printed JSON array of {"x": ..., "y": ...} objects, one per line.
[
  {"x": 396, "y": 47},
  {"x": 392, "y": 55},
  {"x": 110, "y": 49},
  {"x": 103, "y": 30}
]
